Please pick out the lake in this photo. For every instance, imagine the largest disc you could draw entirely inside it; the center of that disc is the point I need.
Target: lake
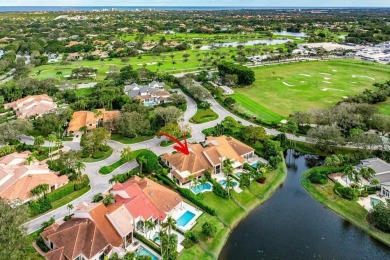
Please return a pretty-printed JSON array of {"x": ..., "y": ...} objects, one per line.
[
  {"x": 247, "y": 43},
  {"x": 293, "y": 225}
]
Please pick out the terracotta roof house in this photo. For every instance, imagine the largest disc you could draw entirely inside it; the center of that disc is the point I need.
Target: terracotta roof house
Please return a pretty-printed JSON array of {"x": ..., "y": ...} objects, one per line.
[
  {"x": 90, "y": 119},
  {"x": 102, "y": 54},
  {"x": 32, "y": 105},
  {"x": 74, "y": 56},
  {"x": 17, "y": 178},
  {"x": 145, "y": 200},
  {"x": 149, "y": 95},
  {"x": 77, "y": 238},
  {"x": 207, "y": 157}
]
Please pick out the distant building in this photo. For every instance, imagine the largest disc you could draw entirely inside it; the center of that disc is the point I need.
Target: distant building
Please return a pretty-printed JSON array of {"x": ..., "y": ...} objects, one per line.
[
  {"x": 32, "y": 106},
  {"x": 90, "y": 120},
  {"x": 17, "y": 178},
  {"x": 149, "y": 95}
]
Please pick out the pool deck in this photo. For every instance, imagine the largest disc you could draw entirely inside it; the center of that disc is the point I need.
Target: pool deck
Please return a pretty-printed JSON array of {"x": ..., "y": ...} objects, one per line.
[
  {"x": 178, "y": 211},
  {"x": 366, "y": 202},
  {"x": 137, "y": 244},
  {"x": 221, "y": 177}
]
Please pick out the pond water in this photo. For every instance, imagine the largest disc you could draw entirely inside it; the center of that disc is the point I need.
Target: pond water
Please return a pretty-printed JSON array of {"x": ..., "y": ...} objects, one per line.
[
  {"x": 295, "y": 34},
  {"x": 247, "y": 43},
  {"x": 292, "y": 225}
]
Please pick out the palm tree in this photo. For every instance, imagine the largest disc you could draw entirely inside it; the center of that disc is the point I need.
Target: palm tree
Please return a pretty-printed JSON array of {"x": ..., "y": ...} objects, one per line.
[
  {"x": 333, "y": 160},
  {"x": 173, "y": 64},
  {"x": 367, "y": 173},
  {"x": 69, "y": 207},
  {"x": 348, "y": 173},
  {"x": 52, "y": 138},
  {"x": 141, "y": 161},
  {"x": 150, "y": 225},
  {"x": 40, "y": 189},
  {"x": 38, "y": 141},
  {"x": 169, "y": 224},
  {"x": 32, "y": 157},
  {"x": 196, "y": 182},
  {"x": 126, "y": 154},
  {"x": 114, "y": 179},
  {"x": 228, "y": 170},
  {"x": 80, "y": 166}
]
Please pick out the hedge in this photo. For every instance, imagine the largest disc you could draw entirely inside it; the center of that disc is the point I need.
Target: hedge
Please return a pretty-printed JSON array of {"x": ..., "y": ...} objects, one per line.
[
  {"x": 5, "y": 150},
  {"x": 61, "y": 192},
  {"x": 166, "y": 180},
  {"x": 38, "y": 207},
  {"x": 147, "y": 242},
  {"x": 186, "y": 193}
]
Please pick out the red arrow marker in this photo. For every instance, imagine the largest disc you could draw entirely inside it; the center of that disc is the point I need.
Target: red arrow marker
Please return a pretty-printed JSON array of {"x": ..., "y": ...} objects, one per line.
[{"x": 181, "y": 147}]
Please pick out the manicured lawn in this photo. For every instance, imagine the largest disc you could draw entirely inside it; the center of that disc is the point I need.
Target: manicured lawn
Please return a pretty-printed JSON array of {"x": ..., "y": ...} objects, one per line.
[
  {"x": 384, "y": 107},
  {"x": 203, "y": 116},
  {"x": 67, "y": 199},
  {"x": 194, "y": 253},
  {"x": 216, "y": 243},
  {"x": 110, "y": 168},
  {"x": 125, "y": 140},
  {"x": 349, "y": 210},
  {"x": 230, "y": 213},
  {"x": 83, "y": 91},
  {"x": 105, "y": 156},
  {"x": 280, "y": 90}
]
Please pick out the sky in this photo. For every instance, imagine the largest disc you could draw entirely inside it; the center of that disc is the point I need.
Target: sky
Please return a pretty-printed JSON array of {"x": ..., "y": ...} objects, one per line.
[{"x": 242, "y": 3}]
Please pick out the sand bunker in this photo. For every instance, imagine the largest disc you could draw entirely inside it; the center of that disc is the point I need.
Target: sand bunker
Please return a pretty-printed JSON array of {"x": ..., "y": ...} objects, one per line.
[
  {"x": 148, "y": 64},
  {"x": 326, "y": 89},
  {"x": 306, "y": 75},
  {"x": 334, "y": 70},
  {"x": 322, "y": 73},
  {"x": 289, "y": 85},
  {"x": 327, "y": 78},
  {"x": 327, "y": 82},
  {"x": 345, "y": 97},
  {"x": 360, "y": 76},
  {"x": 353, "y": 82}
]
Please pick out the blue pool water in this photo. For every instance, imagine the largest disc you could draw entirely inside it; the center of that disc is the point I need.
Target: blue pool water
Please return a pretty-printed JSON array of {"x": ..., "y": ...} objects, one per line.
[
  {"x": 144, "y": 251},
  {"x": 201, "y": 188},
  {"x": 223, "y": 183},
  {"x": 254, "y": 165},
  {"x": 185, "y": 218},
  {"x": 238, "y": 174},
  {"x": 149, "y": 103},
  {"x": 374, "y": 201}
]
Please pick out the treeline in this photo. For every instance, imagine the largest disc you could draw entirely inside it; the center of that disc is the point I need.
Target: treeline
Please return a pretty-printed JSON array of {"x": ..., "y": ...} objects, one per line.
[{"x": 245, "y": 76}]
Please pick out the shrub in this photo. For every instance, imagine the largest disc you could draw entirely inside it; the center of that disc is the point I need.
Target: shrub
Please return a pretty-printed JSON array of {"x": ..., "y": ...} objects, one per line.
[
  {"x": 380, "y": 217},
  {"x": 166, "y": 180},
  {"x": 105, "y": 148},
  {"x": 60, "y": 192},
  {"x": 151, "y": 161},
  {"x": 209, "y": 229},
  {"x": 41, "y": 244},
  {"x": 97, "y": 155},
  {"x": 189, "y": 235},
  {"x": 82, "y": 183},
  {"x": 217, "y": 187},
  {"x": 5, "y": 150},
  {"x": 346, "y": 192},
  {"x": 84, "y": 154},
  {"x": 186, "y": 193},
  {"x": 318, "y": 177},
  {"x": 39, "y": 206},
  {"x": 147, "y": 242}
]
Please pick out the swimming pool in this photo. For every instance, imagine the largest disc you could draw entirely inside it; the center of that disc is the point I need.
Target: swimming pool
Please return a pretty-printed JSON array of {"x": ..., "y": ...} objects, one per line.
[
  {"x": 185, "y": 218},
  {"x": 149, "y": 103},
  {"x": 374, "y": 201},
  {"x": 201, "y": 188},
  {"x": 145, "y": 252},
  {"x": 238, "y": 174},
  {"x": 223, "y": 183},
  {"x": 254, "y": 165}
]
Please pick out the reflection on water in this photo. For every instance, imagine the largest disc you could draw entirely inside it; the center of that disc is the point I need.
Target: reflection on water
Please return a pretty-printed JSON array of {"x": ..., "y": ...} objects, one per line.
[{"x": 292, "y": 225}]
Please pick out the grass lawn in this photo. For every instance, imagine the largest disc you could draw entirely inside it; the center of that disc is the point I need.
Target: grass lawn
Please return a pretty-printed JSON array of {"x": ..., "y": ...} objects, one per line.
[
  {"x": 105, "y": 156},
  {"x": 125, "y": 140},
  {"x": 203, "y": 116},
  {"x": 384, "y": 107},
  {"x": 83, "y": 91},
  {"x": 67, "y": 199},
  {"x": 349, "y": 210},
  {"x": 282, "y": 89},
  {"x": 110, "y": 168}
]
